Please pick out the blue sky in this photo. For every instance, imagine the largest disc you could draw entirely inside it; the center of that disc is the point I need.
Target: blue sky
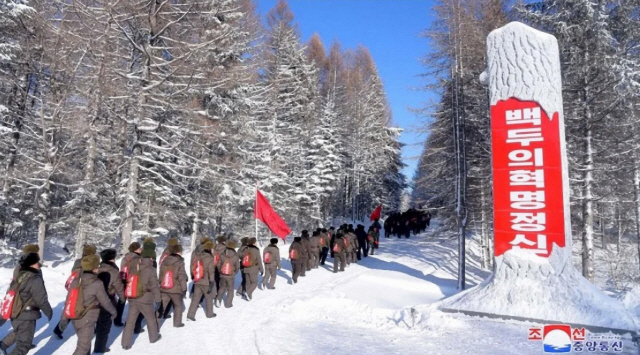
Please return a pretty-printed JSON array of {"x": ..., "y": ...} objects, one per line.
[{"x": 391, "y": 30}]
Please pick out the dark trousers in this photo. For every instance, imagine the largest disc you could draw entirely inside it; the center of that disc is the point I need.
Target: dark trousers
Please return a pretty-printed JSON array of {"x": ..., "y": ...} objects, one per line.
[
  {"x": 297, "y": 269},
  {"x": 363, "y": 248},
  {"x": 243, "y": 284},
  {"x": 22, "y": 336},
  {"x": 226, "y": 286},
  {"x": 338, "y": 262},
  {"x": 323, "y": 255},
  {"x": 103, "y": 327},
  {"x": 120, "y": 310}
]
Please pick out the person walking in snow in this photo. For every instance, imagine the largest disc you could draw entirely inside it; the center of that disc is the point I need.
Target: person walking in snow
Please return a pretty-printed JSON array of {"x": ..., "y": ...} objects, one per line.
[
  {"x": 325, "y": 237},
  {"x": 166, "y": 309},
  {"x": 229, "y": 265},
  {"x": 204, "y": 282},
  {"x": 271, "y": 258},
  {"x": 332, "y": 240},
  {"x": 76, "y": 270},
  {"x": 296, "y": 249},
  {"x": 314, "y": 248},
  {"x": 95, "y": 301},
  {"x": 147, "y": 299},
  {"x": 243, "y": 284},
  {"x": 135, "y": 250},
  {"x": 339, "y": 251},
  {"x": 252, "y": 265},
  {"x": 363, "y": 247},
  {"x": 173, "y": 283},
  {"x": 217, "y": 251},
  {"x": 109, "y": 274},
  {"x": 30, "y": 288},
  {"x": 306, "y": 252}
]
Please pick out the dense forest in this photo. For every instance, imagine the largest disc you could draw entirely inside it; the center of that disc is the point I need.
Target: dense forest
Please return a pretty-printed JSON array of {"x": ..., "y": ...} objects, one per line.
[
  {"x": 132, "y": 118},
  {"x": 600, "y": 59}
]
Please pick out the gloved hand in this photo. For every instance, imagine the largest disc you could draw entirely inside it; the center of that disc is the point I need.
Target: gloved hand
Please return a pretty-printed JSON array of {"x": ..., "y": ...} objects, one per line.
[
  {"x": 184, "y": 295},
  {"x": 211, "y": 285}
]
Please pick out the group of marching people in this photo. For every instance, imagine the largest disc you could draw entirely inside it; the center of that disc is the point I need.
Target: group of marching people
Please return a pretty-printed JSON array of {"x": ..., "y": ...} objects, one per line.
[
  {"x": 98, "y": 289},
  {"x": 404, "y": 224}
]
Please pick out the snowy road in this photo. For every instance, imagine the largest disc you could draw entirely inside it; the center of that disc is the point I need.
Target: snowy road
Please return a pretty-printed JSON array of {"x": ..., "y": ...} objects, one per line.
[{"x": 365, "y": 310}]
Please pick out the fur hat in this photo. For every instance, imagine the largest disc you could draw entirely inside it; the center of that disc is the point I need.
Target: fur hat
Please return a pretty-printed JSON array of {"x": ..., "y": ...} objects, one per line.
[
  {"x": 134, "y": 246},
  {"x": 148, "y": 240},
  {"x": 274, "y": 241},
  {"x": 175, "y": 249},
  {"x": 332, "y": 228},
  {"x": 149, "y": 250},
  {"x": 297, "y": 239},
  {"x": 88, "y": 250},
  {"x": 204, "y": 240},
  {"x": 31, "y": 248},
  {"x": 231, "y": 244},
  {"x": 221, "y": 239},
  {"x": 173, "y": 241},
  {"x": 305, "y": 233},
  {"x": 324, "y": 230},
  {"x": 108, "y": 254},
  {"x": 244, "y": 240},
  {"x": 252, "y": 241},
  {"x": 90, "y": 262},
  {"x": 28, "y": 260},
  {"x": 208, "y": 245},
  {"x": 316, "y": 233}
]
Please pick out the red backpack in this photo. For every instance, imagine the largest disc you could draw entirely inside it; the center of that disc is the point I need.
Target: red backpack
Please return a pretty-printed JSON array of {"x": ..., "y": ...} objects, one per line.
[
  {"x": 247, "y": 258},
  {"x": 124, "y": 272},
  {"x": 216, "y": 258},
  {"x": 336, "y": 247},
  {"x": 227, "y": 267},
  {"x": 167, "y": 277},
  {"x": 322, "y": 242},
  {"x": 74, "y": 304},
  {"x": 197, "y": 269},
  {"x": 134, "y": 286},
  {"x": 294, "y": 255},
  {"x": 267, "y": 257},
  {"x": 12, "y": 304},
  {"x": 74, "y": 275}
]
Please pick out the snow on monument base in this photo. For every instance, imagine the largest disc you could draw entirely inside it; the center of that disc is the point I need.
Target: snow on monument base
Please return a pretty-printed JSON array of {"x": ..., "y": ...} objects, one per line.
[{"x": 527, "y": 287}]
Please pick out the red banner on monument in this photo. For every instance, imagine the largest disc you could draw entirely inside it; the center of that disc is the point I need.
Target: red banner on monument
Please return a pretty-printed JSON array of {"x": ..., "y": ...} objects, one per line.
[{"x": 527, "y": 178}]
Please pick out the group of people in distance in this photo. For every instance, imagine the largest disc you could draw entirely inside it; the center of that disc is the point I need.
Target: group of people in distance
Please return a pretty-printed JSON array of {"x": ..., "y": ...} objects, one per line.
[
  {"x": 403, "y": 224},
  {"x": 98, "y": 289}
]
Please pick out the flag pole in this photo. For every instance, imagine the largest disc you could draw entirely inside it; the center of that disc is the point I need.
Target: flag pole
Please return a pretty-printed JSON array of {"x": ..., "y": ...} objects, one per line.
[{"x": 255, "y": 209}]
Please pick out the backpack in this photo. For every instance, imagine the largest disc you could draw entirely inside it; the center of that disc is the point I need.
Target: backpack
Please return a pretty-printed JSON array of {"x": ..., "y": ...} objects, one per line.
[
  {"x": 74, "y": 275},
  {"x": 336, "y": 248},
  {"x": 166, "y": 281},
  {"x": 216, "y": 258},
  {"x": 248, "y": 259},
  {"x": 74, "y": 305},
  {"x": 267, "y": 257},
  {"x": 294, "y": 255},
  {"x": 322, "y": 242},
  {"x": 124, "y": 273},
  {"x": 12, "y": 304},
  {"x": 227, "y": 267},
  {"x": 134, "y": 287},
  {"x": 197, "y": 269}
]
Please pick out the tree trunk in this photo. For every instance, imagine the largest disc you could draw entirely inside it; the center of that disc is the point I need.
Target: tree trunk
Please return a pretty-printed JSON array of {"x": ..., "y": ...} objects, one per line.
[
  {"x": 587, "y": 210},
  {"x": 194, "y": 232},
  {"x": 620, "y": 231},
  {"x": 80, "y": 241},
  {"x": 42, "y": 233},
  {"x": 130, "y": 203},
  {"x": 486, "y": 251},
  {"x": 636, "y": 188}
]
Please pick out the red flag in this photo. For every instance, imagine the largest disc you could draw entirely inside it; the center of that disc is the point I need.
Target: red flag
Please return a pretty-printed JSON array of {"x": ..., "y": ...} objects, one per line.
[
  {"x": 269, "y": 217},
  {"x": 376, "y": 213}
]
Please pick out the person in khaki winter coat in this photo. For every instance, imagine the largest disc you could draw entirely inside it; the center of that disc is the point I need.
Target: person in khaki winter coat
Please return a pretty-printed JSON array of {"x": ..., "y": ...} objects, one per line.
[
  {"x": 296, "y": 250},
  {"x": 271, "y": 264},
  {"x": 149, "y": 302},
  {"x": 174, "y": 263},
  {"x": 314, "y": 250},
  {"x": 217, "y": 250},
  {"x": 306, "y": 252},
  {"x": 229, "y": 265},
  {"x": 206, "y": 286},
  {"x": 27, "y": 249},
  {"x": 35, "y": 300},
  {"x": 94, "y": 299},
  {"x": 339, "y": 251},
  {"x": 166, "y": 308},
  {"x": 109, "y": 274},
  {"x": 242, "y": 289},
  {"x": 77, "y": 268},
  {"x": 251, "y": 272},
  {"x": 135, "y": 249}
]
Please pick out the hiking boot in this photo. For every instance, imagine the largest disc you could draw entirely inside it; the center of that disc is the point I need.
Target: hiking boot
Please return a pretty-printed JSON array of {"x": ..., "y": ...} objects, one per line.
[
  {"x": 139, "y": 331},
  {"x": 158, "y": 339},
  {"x": 191, "y": 319},
  {"x": 118, "y": 324},
  {"x": 179, "y": 325},
  {"x": 212, "y": 316}
]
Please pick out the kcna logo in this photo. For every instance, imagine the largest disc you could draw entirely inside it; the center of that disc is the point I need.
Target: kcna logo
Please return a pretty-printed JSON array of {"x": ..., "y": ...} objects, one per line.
[{"x": 561, "y": 338}]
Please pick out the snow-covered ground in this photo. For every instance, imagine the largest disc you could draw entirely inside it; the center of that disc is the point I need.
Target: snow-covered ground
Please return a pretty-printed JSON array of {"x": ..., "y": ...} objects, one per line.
[{"x": 386, "y": 304}]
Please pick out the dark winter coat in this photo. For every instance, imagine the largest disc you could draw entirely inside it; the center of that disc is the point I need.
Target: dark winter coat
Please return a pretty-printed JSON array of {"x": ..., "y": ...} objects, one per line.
[
  {"x": 306, "y": 247},
  {"x": 209, "y": 269},
  {"x": 34, "y": 295},
  {"x": 176, "y": 262},
  {"x": 257, "y": 266},
  {"x": 275, "y": 256},
  {"x": 110, "y": 276}
]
